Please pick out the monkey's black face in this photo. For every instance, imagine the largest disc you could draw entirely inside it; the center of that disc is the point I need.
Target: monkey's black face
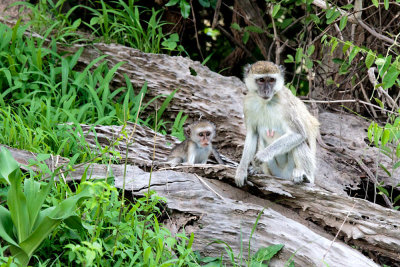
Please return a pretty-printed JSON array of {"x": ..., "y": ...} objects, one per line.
[{"x": 266, "y": 87}]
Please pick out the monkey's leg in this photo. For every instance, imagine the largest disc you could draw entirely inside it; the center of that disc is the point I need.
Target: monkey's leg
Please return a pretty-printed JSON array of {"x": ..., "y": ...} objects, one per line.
[
  {"x": 304, "y": 161},
  {"x": 250, "y": 146},
  {"x": 217, "y": 156},
  {"x": 175, "y": 161},
  {"x": 280, "y": 146}
]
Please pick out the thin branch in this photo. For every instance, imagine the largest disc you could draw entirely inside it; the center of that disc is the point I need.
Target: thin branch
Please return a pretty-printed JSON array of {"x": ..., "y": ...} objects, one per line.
[
  {"x": 372, "y": 78},
  {"x": 353, "y": 19},
  {"x": 349, "y": 101},
  {"x": 215, "y": 19},
  {"x": 233, "y": 40},
  {"x": 195, "y": 31}
]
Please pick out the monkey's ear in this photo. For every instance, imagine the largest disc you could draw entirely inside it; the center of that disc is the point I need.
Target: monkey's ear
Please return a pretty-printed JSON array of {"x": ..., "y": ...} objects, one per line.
[
  {"x": 187, "y": 131},
  {"x": 282, "y": 69},
  {"x": 246, "y": 70}
]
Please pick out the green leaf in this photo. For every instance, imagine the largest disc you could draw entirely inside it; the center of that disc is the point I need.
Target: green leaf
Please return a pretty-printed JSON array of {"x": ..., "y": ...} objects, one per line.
[
  {"x": 235, "y": 26},
  {"x": 289, "y": 59},
  {"x": 185, "y": 9},
  {"x": 275, "y": 10},
  {"x": 172, "y": 2},
  {"x": 371, "y": 126},
  {"x": 370, "y": 59},
  {"x": 396, "y": 165},
  {"x": 335, "y": 15},
  {"x": 398, "y": 150},
  {"x": 385, "y": 137},
  {"x": 7, "y": 164},
  {"x": 299, "y": 54},
  {"x": 375, "y": 2},
  {"x": 205, "y": 3},
  {"x": 246, "y": 36},
  {"x": 266, "y": 254},
  {"x": 254, "y": 29},
  {"x": 310, "y": 50},
  {"x": 353, "y": 53},
  {"x": 6, "y": 226},
  {"x": 346, "y": 46},
  {"x": 17, "y": 205},
  {"x": 386, "y": 4},
  {"x": 343, "y": 22},
  {"x": 390, "y": 77}
]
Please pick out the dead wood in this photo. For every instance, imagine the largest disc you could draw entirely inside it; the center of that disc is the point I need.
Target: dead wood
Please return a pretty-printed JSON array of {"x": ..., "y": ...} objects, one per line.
[{"x": 200, "y": 210}]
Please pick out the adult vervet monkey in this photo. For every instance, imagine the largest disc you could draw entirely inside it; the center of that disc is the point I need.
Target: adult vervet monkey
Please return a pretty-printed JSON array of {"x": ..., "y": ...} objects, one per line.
[
  {"x": 279, "y": 128},
  {"x": 198, "y": 145}
]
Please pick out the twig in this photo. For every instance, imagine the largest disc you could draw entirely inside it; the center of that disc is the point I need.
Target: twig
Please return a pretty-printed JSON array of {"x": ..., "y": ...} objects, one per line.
[
  {"x": 340, "y": 229},
  {"x": 209, "y": 187},
  {"x": 353, "y": 19},
  {"x": 215, "y": 19},
  {"x": 371, "y": 176},
  {"x": 372, "y": 78},
  {"x": 195, "y": 31},
  {"x": 232, "y": 39},
  {"x": 349, "y": 101},
  {"x": 276, "y": 38}
]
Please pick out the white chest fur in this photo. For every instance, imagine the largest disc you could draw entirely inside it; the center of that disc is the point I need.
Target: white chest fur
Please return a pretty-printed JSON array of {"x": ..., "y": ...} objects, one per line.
[{"x": 263, "y": 118}]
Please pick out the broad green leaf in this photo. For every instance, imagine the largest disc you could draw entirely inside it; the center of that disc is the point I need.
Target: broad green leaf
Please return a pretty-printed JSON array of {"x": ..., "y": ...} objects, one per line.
[
  {"x": 185, "y": 9},
  {"x": 376, "y": 3},
  {"x": 343, "y": 22},
  {"x": 17, "y": 206},
  {"x": 353, "y": 53},
  {"x": 390, "y": 77},
  {"x": 299, "y": 54},
  {"x": 275, "y": 10},
  {"x": 335, "y": 15},
  {"x": 236, "y": 26},
  {"x": 346, "y": 46},
  {"x": 386, "y": 4},
  {"x": 266, "y": 253},
  {"x": 310, "y": 50},
  {"x": 289, "y": 59},
  {"x": 254, "y": 29},
  {"x": 370, "y": 59},
  {"x": 398, "y": 151},
  {"x": 35, "y": 196},
  {"x": 396, "y": 165},
  {"x": 246, "y": 36},
  {"x": 334, "y": 44},
  {"x": 385, "y": 137},
  {"x": 370, "y": 128},
  {"x": 205, "y": 3},
  {"x": 7, "y": 164},
  {"x": 6, "y": 226},
  {"x": 172, "y": 2}
]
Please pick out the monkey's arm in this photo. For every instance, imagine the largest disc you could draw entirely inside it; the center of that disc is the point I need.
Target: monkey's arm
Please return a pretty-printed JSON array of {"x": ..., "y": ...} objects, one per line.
[
  {"x": 217, "y": 156},
  {"x": 280, "y": 146},
  {"x": 191, "y": 153},
  {"x": 250, "y": 146}
]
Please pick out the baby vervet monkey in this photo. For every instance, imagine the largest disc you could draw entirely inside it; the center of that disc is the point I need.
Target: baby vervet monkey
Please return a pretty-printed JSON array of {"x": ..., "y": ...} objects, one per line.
[
  {"x": 281, "y": 132},
  {"x": 198, "y": 145}
]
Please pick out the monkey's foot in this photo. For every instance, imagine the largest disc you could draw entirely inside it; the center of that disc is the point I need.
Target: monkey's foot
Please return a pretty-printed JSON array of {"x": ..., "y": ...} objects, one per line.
[
  {"x": 240, "y": 177},
  {"x": 299, "y": 176}
]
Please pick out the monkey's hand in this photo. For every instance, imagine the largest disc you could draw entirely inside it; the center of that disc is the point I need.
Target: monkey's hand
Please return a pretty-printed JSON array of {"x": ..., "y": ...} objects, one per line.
[
  {"x": 263, "y": 156},
  {"x": 241, "y": 175}
]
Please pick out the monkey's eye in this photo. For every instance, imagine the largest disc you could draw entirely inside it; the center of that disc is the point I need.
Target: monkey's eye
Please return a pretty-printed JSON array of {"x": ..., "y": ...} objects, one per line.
[
  {"x": 208, "y": 133},
  {"x": 201, "y": 134},
  {"x": 271, "y": 80},
  {"x": 261, "y": 80}
]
